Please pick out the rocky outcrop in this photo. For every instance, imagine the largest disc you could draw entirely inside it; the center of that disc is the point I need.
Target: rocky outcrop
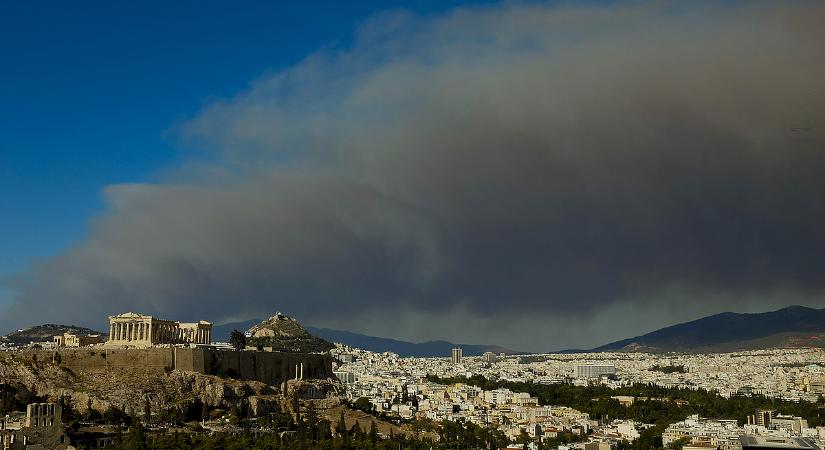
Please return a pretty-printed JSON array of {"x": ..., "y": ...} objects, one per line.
[{"x": 130, "y": 389}]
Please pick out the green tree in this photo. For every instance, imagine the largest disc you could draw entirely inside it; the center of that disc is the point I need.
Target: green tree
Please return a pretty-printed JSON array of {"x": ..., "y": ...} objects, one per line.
[
  {"x": 341, "y": 428},
  {"x": 147, "y": 410},
  {"x": 363, "y": 404},
  {"x": 237, "y": 340},
  {"x": 115, "y": 416},
  {"x": 523, "y": 439},
  {"x": 374, "y": 434},
  {"x": 135, "y": 439},
  {"x": 679, "y": 443}
]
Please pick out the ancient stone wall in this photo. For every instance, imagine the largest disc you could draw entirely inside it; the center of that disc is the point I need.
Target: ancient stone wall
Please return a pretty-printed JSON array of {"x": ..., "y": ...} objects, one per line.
[
  {"x": 106, "y": 358},
  {"x": 269, "y": 367}
]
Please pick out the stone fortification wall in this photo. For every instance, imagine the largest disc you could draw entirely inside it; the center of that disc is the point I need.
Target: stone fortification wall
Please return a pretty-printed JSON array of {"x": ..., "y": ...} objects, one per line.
[
  {"x": 106, "y": 358},
  {"x": 269, "y": 367}
]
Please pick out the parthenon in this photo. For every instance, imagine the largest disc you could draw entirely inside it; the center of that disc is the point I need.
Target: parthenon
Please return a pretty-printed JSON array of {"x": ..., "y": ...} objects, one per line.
[{"x": 139, "y": 330}]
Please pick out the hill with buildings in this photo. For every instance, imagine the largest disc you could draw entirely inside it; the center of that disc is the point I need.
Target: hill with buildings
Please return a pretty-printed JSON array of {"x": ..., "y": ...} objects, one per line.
[
  {"x": 44, "y": 333},
  {"x": 284, "y": 334},
  {"x": 794, "y": 326}
]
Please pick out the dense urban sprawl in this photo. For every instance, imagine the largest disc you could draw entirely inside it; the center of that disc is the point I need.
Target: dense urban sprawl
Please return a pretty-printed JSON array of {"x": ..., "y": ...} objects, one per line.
[{"x": 765, "y": 393}]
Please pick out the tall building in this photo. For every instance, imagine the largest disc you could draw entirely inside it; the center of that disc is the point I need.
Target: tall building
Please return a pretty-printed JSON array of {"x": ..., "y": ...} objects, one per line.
[
  {"x": 490, "y": 357},
  {"x": 763, "y": 418},
  {"x": 594, "y": 370},
  {"x": 457, "y": 355}
]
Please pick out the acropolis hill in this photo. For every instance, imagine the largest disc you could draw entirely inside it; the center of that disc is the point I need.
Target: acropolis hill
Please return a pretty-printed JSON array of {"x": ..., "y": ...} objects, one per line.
[{"x": 165, "y": 363}]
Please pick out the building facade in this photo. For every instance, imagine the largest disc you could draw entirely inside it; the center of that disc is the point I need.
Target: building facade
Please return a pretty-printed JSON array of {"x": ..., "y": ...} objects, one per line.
[
  {"x": 77, "y": 340},
  {"x": 588, "y": 371},
  {"x": 41, "y": 428},
  {"x": 139, "y": 330},
  {"x": 458, "y": 354}
]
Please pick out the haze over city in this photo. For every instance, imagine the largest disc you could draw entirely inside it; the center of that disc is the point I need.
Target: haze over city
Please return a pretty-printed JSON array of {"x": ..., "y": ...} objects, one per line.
[{"x": 538, "y": 175}]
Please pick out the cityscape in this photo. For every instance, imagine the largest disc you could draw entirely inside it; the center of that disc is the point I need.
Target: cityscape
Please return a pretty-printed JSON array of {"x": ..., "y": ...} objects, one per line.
[
  {"x": 412, "y": 225},
  {"x": 761, "y": 398}
]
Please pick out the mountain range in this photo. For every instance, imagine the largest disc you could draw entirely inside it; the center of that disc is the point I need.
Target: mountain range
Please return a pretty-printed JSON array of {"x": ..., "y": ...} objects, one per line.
[{"x": 793, "y": 326}]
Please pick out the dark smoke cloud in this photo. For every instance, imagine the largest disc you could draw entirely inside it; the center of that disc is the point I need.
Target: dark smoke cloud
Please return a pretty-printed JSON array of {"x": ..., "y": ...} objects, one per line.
[{"x": 538, "y": 176}]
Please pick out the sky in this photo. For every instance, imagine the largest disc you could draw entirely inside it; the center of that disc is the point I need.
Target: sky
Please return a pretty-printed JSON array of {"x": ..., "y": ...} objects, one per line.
[{"x": 536, "y": 175}]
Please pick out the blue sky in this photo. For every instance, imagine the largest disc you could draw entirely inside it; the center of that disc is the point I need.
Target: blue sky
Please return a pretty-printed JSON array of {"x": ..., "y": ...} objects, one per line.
[{"x": 90, "y": 95}]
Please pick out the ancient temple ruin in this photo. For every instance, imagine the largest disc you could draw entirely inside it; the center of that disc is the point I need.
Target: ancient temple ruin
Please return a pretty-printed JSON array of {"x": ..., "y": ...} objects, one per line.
[{"x": 139, "y": 330}]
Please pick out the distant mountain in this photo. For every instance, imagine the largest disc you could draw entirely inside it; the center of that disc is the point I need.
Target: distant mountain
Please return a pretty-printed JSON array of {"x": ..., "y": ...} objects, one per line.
[
  {"x": 220, "y": 333},
  {"x": 794, "y": 326},
  {"x": 403, "y": 348},
  {"x": 44, "y": 333}
]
